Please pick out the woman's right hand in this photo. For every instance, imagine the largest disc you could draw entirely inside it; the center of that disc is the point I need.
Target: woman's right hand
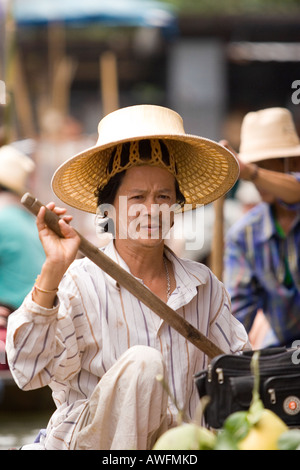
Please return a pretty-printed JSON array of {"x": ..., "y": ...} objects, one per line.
[{"x": 60, "y": 253}]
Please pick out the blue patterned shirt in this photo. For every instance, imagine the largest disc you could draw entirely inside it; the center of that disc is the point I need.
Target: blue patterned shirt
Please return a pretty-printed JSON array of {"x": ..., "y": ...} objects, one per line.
[{"x": 262, "y": 271}]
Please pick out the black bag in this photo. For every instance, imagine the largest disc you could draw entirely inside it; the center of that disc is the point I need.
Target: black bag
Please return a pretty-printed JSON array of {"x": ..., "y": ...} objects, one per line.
[{"x": 228, "y": 382}]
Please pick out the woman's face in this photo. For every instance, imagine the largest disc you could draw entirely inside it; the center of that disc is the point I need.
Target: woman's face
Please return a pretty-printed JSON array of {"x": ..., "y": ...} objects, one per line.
[{"x": 142, "y": 205}]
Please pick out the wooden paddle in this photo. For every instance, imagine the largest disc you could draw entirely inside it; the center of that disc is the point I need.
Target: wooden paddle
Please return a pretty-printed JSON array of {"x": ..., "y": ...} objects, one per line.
[{"x": 130, "y": 283}]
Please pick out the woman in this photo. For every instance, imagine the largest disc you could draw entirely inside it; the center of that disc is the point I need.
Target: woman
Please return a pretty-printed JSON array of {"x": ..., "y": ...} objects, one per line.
[{"x": 96, "y": 345}]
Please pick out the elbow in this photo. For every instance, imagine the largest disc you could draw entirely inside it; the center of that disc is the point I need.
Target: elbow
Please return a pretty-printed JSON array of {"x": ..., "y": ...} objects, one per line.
[{"x": 19, "y": 379}]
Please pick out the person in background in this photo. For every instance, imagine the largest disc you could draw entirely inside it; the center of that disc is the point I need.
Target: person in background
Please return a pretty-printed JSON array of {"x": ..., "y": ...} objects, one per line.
[
  {"x": 21, "y": 253},
  {"x": 262, "y": 251}
]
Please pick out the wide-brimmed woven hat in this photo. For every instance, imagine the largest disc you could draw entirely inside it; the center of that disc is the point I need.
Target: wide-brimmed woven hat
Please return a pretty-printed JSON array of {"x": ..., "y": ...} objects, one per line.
[
  {"x": 267, "y": 134},
  {"x": 15, "y": 168},
  {"x": 205, "y": 169}
]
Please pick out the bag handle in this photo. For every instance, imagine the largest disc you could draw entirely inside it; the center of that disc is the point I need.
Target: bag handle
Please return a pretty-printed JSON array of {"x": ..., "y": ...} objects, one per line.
[{"x": 266, "y": 351}]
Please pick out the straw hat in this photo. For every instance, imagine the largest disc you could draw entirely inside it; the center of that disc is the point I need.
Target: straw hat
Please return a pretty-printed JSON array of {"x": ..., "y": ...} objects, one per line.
[
  {"x": 268, "y": 133},
  {"x": 15, "y": 167},
  {"x": 205, "y": 169}
]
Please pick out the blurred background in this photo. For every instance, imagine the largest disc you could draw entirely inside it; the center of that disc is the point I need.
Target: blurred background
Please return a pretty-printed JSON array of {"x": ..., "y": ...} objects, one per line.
[{"x": 65, "y": 64}]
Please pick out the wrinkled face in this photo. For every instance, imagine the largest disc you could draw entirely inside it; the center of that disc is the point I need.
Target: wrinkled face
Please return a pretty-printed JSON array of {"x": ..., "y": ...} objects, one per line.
[
  {"x": 281, "y": 165},
  {"x": 143, "y": 205}
]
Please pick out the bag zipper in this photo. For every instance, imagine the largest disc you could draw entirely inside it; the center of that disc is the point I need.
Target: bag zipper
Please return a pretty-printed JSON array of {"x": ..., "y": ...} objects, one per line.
[
  {"x": 235, "y": 373},
  {"x": 278, "y": 389}
]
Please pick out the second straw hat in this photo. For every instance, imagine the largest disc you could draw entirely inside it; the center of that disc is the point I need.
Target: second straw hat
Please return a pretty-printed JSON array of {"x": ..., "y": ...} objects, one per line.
[
  {"x": 268, "y": 133},
  {"x": 205, "y": 169}
]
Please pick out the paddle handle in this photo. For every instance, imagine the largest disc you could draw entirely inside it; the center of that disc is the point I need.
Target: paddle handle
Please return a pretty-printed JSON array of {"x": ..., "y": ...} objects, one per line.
[{"x": 130, "y": 283}]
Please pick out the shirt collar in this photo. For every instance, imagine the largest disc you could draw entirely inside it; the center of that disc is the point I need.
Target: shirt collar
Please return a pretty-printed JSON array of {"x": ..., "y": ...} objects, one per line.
[
  {"x": 187, "y": 275},
  {"x": 111, "y": 251}
]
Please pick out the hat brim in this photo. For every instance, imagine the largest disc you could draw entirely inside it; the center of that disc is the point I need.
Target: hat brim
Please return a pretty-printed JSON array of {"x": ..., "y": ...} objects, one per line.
[
  {"x": 257, "y": 156},
  {"x": 206, "y": 171}
]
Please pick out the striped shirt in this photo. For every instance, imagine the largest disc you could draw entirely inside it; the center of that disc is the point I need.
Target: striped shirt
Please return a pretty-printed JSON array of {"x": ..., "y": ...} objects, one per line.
[
  {"x": 262, "y": 271},
  {"x": 95, "y": 321}
]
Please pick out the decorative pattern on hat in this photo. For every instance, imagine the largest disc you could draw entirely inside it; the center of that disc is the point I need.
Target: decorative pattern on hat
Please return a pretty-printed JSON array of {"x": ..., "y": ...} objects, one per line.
[{"x": 135, "y": 157}]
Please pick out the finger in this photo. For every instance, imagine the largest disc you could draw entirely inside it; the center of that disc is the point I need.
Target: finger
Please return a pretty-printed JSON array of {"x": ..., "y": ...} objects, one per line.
[
  {"x": 40, "y": 219},
  {"x": 227, "y": 145},
  {"x": 58, "y": 210},
  {"x": 67, "y": 218},
  {"x": 50, "y": 205},
  {"x": 66, "y": 230}
]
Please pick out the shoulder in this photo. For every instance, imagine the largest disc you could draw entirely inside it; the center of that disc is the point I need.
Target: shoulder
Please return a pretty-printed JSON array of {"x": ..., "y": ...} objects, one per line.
[
  {"x": 79, "y": 276},
  {"x": 192, "y": 265},
  {"x": 186, "y": 268},
  {"x": 196, "y": 274},
  {"x": 210, "y": 287},
  {"x": 82, "y": 268},
  {"x": 14, "y": 216}
]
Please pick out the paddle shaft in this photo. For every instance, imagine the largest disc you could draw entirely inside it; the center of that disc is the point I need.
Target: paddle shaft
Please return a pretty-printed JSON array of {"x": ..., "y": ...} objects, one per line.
[{"x": 130, "y": 283}]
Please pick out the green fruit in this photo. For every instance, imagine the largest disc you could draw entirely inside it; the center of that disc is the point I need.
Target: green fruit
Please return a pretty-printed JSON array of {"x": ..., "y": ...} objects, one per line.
[{"x": 188, "y": 436}]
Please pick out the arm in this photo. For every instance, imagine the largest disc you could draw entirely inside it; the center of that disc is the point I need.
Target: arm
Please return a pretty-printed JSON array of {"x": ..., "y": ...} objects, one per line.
[
  {"x": 41, "y": 339},
  {"x": 225, "y": 329},
  {"x": 42, "y": 344},
  {"x": 283, "y": 186},
  {"x": 60, "y": 253}
]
